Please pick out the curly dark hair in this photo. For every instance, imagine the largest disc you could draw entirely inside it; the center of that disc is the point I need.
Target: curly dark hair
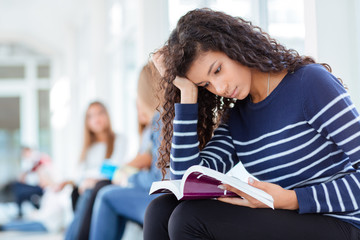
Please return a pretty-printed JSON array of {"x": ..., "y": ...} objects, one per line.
[{"x": 203, "y": 30}]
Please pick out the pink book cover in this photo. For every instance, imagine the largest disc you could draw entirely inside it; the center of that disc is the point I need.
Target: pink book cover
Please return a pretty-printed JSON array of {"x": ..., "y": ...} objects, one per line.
[
  {"x": 199, "y": 186},
  {"x": 200, "y": 182}
]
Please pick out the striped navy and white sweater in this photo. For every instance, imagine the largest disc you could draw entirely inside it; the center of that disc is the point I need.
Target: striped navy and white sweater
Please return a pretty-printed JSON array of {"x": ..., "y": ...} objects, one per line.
[{"x": 304, "y": 136}]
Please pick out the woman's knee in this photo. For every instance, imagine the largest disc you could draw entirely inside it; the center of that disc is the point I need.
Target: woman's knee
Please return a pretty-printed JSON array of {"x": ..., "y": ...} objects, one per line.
[
  {"x": 104, "y": 194},
  {"x": 161, "y": 207},
  {"x": 157, "y": 216},
  {"x": 101, "y": 184},
  {"x": 186, "y": 221},
  {"x": 181, "y": 220}
]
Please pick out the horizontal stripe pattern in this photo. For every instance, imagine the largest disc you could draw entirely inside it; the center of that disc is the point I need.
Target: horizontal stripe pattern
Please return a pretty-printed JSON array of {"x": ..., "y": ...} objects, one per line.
[{"x": 314, "y": 149}]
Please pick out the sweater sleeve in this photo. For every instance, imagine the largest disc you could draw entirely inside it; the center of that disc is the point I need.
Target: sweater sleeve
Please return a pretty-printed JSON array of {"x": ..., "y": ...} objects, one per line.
[
  {"x": 329, "y": 109},
  {"x": 219, "y": 153}
]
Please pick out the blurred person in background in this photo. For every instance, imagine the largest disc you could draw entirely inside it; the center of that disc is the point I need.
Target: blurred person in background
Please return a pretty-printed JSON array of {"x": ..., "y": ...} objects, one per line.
[
  {"x": 146, "y": 104},
  {"x": 128, "y": 197},
  {"x": 100, "y": 145},
  {"x": 36, "y": 184},
  {"x": 33, "y": 179}
]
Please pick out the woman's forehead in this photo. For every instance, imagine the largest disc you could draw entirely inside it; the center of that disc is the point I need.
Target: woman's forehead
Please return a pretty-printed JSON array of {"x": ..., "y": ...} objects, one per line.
[{"x": 204, "y": 63}]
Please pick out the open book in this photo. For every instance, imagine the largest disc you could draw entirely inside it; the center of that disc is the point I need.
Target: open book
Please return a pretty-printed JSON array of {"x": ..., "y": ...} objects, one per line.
[{"x": 199, "y": 182}]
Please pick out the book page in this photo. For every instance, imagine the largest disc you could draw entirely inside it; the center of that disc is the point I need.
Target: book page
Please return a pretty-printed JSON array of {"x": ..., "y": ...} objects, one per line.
[
  {"x": 201, "y": 182},
  {"x": 239, "y": 172},
  {"x": 233, "y": 181},
  {"x": 172, "y": 186}
]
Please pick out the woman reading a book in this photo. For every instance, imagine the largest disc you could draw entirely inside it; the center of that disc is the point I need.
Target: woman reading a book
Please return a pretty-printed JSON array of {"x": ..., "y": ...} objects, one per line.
[{"x": 233, "y": 94}]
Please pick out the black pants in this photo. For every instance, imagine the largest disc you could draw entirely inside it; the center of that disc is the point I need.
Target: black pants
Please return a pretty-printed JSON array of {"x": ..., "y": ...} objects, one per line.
[
  {"x": 167, "y": 218},
  {"x": 74, "y": 197},
  {"x": 24, "y": 192},
  {"x": 86, "y": 221}
]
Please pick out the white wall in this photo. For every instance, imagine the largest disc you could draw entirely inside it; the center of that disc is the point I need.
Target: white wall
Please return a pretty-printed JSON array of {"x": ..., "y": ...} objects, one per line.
[
  {"x": 42, "y": 26},
  {"x": 333, "y": 36},
  {"x": 86, "y": 42},
  {"x": 154, "y": 26},
  {"x": 72, "y": 34}
]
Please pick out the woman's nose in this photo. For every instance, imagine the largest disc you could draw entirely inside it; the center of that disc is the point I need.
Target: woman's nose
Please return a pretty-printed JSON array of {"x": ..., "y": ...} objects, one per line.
[{"x": 220, "y": 88}]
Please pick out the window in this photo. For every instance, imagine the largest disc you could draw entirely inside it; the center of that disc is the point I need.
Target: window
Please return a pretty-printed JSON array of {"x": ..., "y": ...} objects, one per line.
[
  {"x": 241, "y": 8},
  {"x": 286, "y": 23},
  {"x": 12, "y": 72},
  {"x": 44, "y": 121},
  {"x": 24, "y": 103},
  {"x": 43, "y": 71},
  {"x": 10, "y": 146},
  {"x": 283, "y": 20}
]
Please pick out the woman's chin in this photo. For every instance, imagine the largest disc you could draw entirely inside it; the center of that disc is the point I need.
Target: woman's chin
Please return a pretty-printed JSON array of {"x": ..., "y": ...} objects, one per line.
[{"x": 241, "y": 96}]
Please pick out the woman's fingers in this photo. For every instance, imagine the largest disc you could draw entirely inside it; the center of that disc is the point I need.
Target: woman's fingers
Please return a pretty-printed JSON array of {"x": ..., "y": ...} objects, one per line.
[
  {"x": 245, "y": 200},
  {"x": 183, "y": 83},
  {"x": 158, "y": 60},
  {"x": 235, "y": 200},
  {"x": 237, "y": 191}
]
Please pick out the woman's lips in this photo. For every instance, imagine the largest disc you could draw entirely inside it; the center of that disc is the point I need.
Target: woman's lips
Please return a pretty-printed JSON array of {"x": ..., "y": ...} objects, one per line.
[{"x": 234, "y": 94}]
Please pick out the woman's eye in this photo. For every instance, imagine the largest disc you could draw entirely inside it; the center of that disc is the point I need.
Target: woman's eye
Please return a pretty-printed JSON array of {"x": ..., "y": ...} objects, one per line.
[
  {"x": 218, "y": 69},
  {"x": 206, "y": 85}
]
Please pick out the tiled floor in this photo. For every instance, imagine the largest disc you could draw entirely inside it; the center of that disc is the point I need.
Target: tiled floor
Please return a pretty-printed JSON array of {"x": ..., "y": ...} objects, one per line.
[
  {"x": 132, "y": 232},
  {"x": 9, "y": 210},
  {"x": 29, "y": 236}
]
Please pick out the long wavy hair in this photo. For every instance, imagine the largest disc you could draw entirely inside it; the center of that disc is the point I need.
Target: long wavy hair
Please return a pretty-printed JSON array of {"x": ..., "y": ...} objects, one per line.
[
  {"x": 90, "y": 137},
  {"x": 147, "y": 90},
  {"x": 204, "y": 30}
]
